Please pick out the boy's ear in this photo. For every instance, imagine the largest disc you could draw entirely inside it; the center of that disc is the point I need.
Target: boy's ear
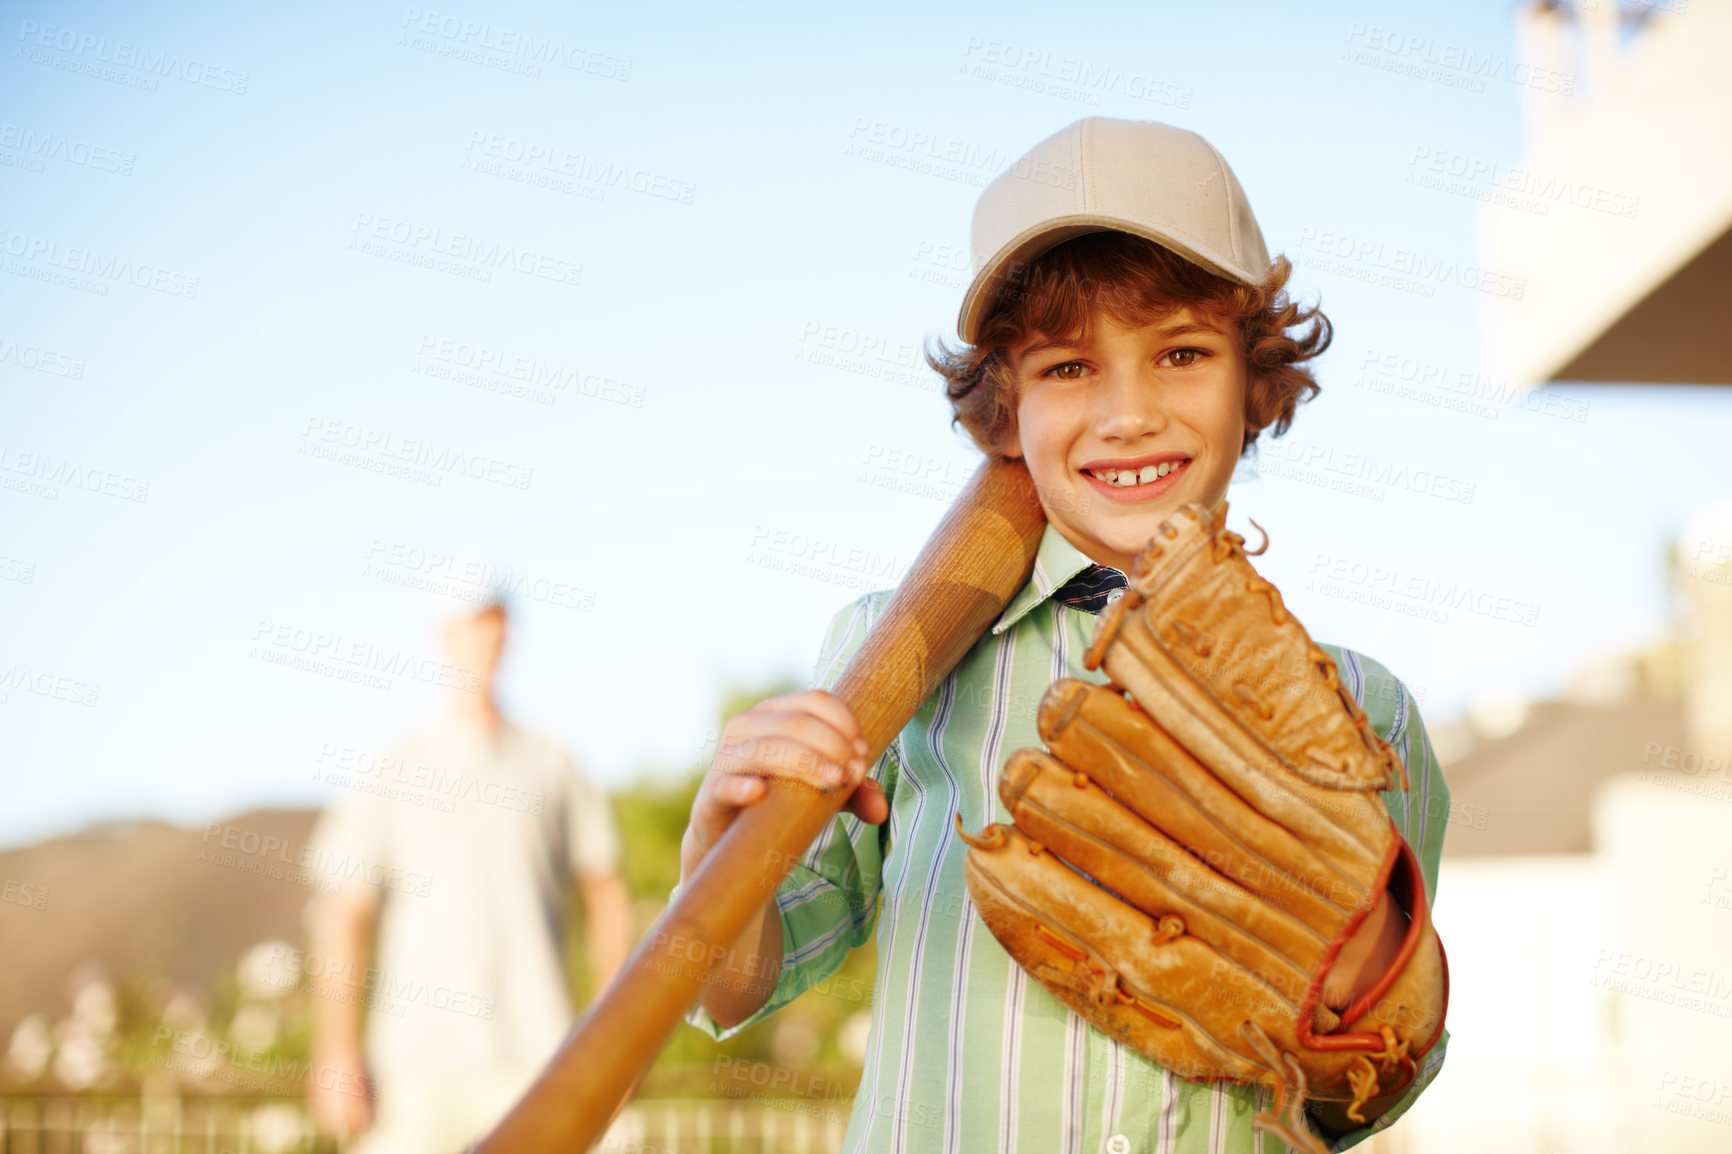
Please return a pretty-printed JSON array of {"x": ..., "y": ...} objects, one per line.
[{"x": 1010, "y": 443}]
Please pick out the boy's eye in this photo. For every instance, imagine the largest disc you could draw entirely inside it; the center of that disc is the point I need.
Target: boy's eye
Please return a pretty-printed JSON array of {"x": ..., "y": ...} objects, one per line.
[
  {"x": 1067, "y": 371},
  {"x": 1184, "y": 358}
]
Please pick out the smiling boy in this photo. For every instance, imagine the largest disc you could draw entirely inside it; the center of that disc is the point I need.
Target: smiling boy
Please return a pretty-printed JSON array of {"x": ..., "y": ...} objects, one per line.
[{"x": 1128, "y": 337}]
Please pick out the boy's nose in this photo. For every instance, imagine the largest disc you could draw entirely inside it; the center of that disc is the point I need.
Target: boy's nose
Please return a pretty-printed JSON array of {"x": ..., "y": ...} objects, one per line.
[{"x": 1128, "y": 408}]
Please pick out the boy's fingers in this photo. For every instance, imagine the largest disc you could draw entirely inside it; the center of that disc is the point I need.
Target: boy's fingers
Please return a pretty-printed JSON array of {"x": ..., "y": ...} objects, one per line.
[
  {"x": 825, "y": 705},
  {"x": 771, "y": 759},
  {"x": 720, "y": 799},
  {"x": 742, "y": 789},
  {"x": 787, "y": 745},
  {"x": 868, "y": 803}
]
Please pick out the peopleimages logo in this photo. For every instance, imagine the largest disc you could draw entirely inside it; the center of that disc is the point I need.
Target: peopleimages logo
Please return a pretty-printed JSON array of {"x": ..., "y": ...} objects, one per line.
[
  {"x": 499, "y": 370},
  {"x": 47, "y": 472},
  {"x": 329, "y": 439},
  {"x": 1342, "y": 252},
  {"x": 363, "y": 662},
  {"x": 1540, "y": 189},
  {"x": 1446, "y": 62},
  {"x": 412, "y": 243},
  {"x": 949, "y": 157},
  {"x": 554, "y": 161},
  {"x": 1066, "y": 77},
  {"x": 474, "y": 38},
  {"x": 37, "y": 359},
  {"x": 105, "y": 268},
  {"x": 84, "y": 50},
  {"x": 41, "y": 146}
]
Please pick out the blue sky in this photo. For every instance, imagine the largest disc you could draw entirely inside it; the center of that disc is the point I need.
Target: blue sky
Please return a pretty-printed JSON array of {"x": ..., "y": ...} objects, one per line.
[{"x": 308, "y": 307}]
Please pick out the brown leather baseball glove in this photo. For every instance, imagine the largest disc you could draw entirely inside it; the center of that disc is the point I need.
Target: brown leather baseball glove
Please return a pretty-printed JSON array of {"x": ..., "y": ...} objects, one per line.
[{"x": 1186, "y": 865}]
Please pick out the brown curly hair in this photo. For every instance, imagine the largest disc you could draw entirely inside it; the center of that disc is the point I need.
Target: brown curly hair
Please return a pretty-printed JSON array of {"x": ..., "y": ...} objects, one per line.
[{"x": 1137, "y": 282}]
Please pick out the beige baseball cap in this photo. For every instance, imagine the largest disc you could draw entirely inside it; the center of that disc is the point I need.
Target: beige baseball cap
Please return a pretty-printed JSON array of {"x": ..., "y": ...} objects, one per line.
[{"x": 1099, "y": 175}]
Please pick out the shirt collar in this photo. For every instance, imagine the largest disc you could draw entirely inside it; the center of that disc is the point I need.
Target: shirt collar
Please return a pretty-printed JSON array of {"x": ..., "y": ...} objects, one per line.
[{"x": 1055, "y": 562}]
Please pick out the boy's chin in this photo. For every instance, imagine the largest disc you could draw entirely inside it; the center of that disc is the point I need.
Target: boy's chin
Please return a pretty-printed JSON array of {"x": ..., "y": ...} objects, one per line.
[
  {"x": 1116, "y": 545},
  {"x": 1129, "y": 536},
  {"x": 1116, "y": 540}
]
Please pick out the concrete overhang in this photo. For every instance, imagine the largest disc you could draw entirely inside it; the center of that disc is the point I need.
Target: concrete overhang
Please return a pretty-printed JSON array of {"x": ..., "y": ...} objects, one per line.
[{"x": 1616, "y": 224}]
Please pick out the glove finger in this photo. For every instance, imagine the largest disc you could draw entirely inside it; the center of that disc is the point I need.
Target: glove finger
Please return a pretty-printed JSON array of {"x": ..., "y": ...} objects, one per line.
[
  {"x": 1219, "y": 736},
  {"x": 1161, "y": 999},
  {"x": 1141, "y": 765},
  {"x": 1218, "y": 645},
  {"x": 1074, "y": 818}
]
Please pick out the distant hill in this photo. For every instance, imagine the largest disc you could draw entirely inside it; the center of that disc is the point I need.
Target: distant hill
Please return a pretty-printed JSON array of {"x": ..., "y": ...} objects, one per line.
[{"x": 138, "y": 898}]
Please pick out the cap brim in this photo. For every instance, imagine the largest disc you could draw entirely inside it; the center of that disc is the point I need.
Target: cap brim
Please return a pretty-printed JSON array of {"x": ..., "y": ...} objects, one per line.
[{"x": 1049, "y": 234}]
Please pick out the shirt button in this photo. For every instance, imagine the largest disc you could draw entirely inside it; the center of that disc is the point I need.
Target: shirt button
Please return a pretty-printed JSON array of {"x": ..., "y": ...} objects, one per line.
[{"x": 1118, "y": 1144}]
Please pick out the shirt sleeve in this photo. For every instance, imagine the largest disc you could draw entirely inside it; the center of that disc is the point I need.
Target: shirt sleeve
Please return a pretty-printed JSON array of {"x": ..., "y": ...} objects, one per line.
[
  {"x": 591, "y": 837},
  {"x": 829, "y": 900},
  {"x": 350, "y": 845},
  {"x": 1421, "y": 812}
]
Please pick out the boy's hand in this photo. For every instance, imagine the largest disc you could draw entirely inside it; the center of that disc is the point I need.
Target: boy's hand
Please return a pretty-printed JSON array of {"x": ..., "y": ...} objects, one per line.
[
  {"x": 1367, "y": 955},
  {"x": 809, "y": 737}
]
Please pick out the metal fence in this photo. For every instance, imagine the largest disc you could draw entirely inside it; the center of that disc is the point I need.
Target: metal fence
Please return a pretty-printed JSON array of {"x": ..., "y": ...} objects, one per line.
[
  {"x": 166, "y": 1125},
  {"x": 192, "y": 1125}
]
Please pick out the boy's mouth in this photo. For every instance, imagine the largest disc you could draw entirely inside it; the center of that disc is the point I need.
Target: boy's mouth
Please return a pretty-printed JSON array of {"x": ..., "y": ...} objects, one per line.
[{"x": 1137, "y": 480}]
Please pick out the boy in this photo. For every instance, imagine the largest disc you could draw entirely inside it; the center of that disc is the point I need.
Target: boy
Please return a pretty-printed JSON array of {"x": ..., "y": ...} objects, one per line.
[{"x": 1128, "y": 338}]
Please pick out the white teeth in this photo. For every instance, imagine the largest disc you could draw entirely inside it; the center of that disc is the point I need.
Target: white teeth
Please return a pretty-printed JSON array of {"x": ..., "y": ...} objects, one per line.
[{"x": 1124, "y": 478}]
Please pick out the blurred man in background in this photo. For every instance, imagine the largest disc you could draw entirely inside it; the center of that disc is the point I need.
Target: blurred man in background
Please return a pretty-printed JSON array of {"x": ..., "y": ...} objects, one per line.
[{"x": 446, "y": 872}]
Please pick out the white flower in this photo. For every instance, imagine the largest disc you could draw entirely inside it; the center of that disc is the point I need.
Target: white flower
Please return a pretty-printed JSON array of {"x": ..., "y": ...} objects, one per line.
[
  {"x": 254, "y": 1027},
  {"x": 94, "y": 1008},
  {"x": 277, "y": 1127},
  {"x": 183, "y": 1013},
  {"x": 32, "y": 1046},
  {"x": 794, "y": 1043},
  {"x": 855, "y": 1032},
  {"x": 270, "y": 969},
  {"x": 79, "y": 1062}
]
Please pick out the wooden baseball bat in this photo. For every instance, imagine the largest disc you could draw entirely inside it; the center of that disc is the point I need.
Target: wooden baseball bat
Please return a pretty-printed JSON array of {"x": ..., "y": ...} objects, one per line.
[{"x": 975, "y": 561}]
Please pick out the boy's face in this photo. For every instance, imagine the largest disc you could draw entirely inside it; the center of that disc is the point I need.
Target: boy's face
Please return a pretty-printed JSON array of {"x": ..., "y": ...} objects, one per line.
[{"x": 1120, "y": 404}]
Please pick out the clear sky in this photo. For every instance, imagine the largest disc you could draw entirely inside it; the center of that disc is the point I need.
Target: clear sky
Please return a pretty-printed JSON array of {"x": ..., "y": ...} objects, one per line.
[{"x": 308, "y": 307}]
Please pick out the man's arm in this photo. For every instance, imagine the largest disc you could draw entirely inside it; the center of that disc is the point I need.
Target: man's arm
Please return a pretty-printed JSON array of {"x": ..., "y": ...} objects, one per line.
[
  {"x": 610, "y": 931},
  {"x": 341, "y": 927}
]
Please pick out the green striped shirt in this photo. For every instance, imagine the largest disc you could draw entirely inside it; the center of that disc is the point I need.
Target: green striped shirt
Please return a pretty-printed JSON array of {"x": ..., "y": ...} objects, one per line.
[{"x": 967, "y": 1053}]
